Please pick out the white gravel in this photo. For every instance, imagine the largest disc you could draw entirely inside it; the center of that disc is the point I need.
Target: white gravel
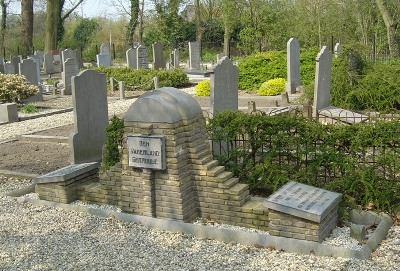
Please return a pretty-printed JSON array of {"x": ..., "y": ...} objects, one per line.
[{"x": 45, "y": 238}]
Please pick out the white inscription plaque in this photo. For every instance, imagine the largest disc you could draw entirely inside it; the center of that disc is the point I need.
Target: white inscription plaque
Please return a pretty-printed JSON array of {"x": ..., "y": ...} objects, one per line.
[{"x": 146, "y": 151}]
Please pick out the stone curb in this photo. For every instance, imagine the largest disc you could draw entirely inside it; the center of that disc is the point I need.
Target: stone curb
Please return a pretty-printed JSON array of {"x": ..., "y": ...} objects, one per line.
[
  {"x": 43, "y": 138},
  {"x": 15, "y": 174},
  {"x": 47, "y": 114},
  {"x": 227, "y": 235}
]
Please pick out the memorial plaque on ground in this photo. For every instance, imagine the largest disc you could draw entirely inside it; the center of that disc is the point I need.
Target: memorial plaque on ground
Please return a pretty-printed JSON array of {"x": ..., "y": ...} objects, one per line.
[
  {"x": 303, "y": 201},
  {"x": 146, "y": 151}
]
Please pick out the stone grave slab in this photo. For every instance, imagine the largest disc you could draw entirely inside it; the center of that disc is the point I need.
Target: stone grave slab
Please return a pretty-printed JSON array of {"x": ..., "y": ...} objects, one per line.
[
  {"x": 303, "y": 200},
  {"x": 146, "y": 151},
  {"x": 302, "y": 211},
  {"x": 158, "y": 56},
  {"x": 66, "y": 173}
]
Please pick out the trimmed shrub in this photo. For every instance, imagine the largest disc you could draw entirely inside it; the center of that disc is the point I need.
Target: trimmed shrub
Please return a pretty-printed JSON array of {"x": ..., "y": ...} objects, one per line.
[
  {"x": 143, "y": 79},
  {"x": 203, "y": 88},
  {"x": 14, "y": 88},
  {"x": 272, "y": 87}
]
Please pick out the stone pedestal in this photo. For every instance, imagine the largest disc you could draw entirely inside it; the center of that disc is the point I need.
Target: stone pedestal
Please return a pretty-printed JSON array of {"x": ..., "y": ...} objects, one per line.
[
  {"x": 8, "y": 112},
  {"x": 302, "y": 212}
]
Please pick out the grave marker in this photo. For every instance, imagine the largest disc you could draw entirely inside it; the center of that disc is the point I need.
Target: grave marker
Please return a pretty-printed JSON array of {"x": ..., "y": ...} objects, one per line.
[
  {"x": 104, "y": 57},
  {"x": 224, "y": 86},
  {"x": 70, "y": 68},
  {"x": 338, "y": 49},
  {"x": 141, "y": 54},
  {"x": 131, "y": 58},
  {"x": 322, "y": 89},
  {"x": 307, "y": 212},
  {"x": 175, "y": 58},
  {"x": 89, "y": 98},
  {"x": 293, "y": 65},
  {"x": 9, "y": 68},
  {"x": 194, "y": 55},
  {"x": 36, "y": 61},
  {"x": 15, "y": 60},
  {"x": 28, "y": 68},
  {"x": 68, "y": 53},
  {"x": 158, "y": 56},
  {"x": 48, "y": 64}
]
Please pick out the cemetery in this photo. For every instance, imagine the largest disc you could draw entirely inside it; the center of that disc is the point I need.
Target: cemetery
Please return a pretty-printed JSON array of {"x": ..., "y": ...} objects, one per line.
[
  {"x": 174, "y": 153},
  {"x": 168, "y": 175}
]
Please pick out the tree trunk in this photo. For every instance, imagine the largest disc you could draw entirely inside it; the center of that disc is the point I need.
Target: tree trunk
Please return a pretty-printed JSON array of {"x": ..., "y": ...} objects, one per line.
[
  {"x": 27, "y": 26},
  {"x": 141, "y": 25},
  {"x": 133, "y": 22},
  {"x": 3, "y": 25},
  {"x": 391, "y": 29},
  {"x": 199, "y": 31},
  {"x": 229, "y": 23},
  {"x": 53, "y": 7}
]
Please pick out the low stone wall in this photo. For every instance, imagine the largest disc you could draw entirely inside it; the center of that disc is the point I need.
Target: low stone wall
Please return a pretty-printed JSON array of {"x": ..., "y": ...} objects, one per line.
[{"x": 65, "y": 191}]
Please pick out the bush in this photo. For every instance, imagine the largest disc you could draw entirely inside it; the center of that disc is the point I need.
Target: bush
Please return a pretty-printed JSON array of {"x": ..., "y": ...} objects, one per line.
[
  {"x": 281, "y": 148},
  {"x": 113, "y": 143},
  {"x": 203, "y": 88},
  {"x": 256, "y": 69},
  {"x": 143, "y": 79},
  {"x": 272, "y": 87},
  {"x": 14, "y": 88}
]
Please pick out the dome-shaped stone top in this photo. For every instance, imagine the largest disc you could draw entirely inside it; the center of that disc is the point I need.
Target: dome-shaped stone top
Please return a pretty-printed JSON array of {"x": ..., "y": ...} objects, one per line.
[{"x": 163, "y": 105}]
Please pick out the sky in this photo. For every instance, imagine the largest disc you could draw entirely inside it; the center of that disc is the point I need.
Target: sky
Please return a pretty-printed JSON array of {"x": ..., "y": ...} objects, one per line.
[{"x": 90, "y": 8}]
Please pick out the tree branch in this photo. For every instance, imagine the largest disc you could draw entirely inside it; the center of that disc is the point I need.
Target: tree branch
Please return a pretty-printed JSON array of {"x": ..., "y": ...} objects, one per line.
[{"x": 65, "y": 16}]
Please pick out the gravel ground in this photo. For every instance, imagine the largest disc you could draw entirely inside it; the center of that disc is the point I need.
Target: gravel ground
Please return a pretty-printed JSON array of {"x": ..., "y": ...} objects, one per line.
[{"x": 45, "y": 238}]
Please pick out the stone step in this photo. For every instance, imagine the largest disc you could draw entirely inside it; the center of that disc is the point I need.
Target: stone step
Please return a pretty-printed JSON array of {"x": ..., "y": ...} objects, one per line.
[
  {"x": 216, "y": 171},
  {"x": 228, "y": 183},
  {"x": 224, "y": 176},
  {"x": 204, "y": 160},
  {"x": 200, "y": 154},
  {"x": 237, "y": 189}
]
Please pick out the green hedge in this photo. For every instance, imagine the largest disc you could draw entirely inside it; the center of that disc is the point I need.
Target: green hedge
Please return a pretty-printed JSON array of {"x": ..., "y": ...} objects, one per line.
[
  {"x": 260, "y": 67},
  {"x": 360, "y": 161},
  {"x": 143, "y": 79}
]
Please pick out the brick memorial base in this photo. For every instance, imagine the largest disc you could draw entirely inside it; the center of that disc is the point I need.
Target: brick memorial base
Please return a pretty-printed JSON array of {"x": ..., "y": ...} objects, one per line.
[
  {"x": 303, "y": 212},
  {"x": 62, "y": 185}
]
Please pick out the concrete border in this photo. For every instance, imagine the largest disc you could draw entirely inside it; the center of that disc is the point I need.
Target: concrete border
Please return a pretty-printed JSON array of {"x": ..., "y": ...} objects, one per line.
[
  {"x": 228, "y": 235},
  {"x": 43, "y": 138},
  {"x": 15, "y": 174}
]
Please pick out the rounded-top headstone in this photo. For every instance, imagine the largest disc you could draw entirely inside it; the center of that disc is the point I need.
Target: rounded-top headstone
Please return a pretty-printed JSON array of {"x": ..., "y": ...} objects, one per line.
[{"x": 163, "y": 105}]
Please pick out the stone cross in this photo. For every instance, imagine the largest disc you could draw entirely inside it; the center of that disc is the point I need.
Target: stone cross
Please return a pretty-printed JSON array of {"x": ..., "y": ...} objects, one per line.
[
  {"x": 89, "y": 99},
  {"x": 293, "y": 66}
]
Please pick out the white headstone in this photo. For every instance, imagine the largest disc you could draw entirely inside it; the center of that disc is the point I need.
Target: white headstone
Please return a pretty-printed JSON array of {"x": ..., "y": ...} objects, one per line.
[
  {"x": 293, "y": 65},
  {"x": 104, "y": 49},
  {"x": 322, "y": 89},
  {"x": 194, "y": 55},
  {"x": 89, "y": 99},
  {"x": 338, "y": 49},
  {"x": 103, "y": 60}
]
